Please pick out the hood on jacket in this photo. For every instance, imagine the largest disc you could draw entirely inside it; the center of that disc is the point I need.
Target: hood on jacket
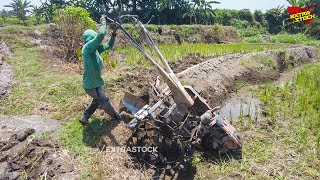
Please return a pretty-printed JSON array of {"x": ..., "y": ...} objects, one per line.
[{"x": 88, "y": 35}]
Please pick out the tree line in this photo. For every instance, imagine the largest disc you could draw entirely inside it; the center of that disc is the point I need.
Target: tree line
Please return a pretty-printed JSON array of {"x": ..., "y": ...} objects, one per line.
[{"x": 176, "y": 12}]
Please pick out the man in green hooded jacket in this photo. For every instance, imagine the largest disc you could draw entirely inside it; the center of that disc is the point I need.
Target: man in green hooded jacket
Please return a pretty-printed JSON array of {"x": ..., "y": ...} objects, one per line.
[{"x": 92, "y": 66}]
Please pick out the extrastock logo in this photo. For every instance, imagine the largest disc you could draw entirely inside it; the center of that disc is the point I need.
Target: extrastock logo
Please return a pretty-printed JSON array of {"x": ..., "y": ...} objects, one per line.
[{"x": 299, "y": 14}]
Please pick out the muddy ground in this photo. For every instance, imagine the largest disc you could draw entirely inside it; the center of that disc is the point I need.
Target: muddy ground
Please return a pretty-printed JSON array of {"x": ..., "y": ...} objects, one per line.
[{"x": 25, "y": 154}]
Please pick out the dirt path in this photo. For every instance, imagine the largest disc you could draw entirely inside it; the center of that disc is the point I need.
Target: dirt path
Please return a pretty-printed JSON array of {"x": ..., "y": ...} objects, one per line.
[{"x": 6, "y": 71}]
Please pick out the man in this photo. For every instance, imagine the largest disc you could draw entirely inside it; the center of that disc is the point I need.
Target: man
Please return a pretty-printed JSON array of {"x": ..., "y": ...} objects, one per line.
[{"x": 92, "y": 65}]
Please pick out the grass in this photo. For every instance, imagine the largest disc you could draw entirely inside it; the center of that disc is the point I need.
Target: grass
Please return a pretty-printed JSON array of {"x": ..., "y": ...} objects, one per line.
[
  {"x": 37, "y": 89},
  {"x": 36, "y": 86},
  {"x": 79, "y": 140},
  {"x": 15, "y": 20},
  {"x": 285, "y": 38},
  {"x": 174, "y": 52},
  {"x": 299, "y": 101},
  {"x": 283, "y": 145},
  {"x": 295, "y": 39}
]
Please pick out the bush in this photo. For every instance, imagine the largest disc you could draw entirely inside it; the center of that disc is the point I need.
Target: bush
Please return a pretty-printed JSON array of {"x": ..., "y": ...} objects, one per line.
[
  {"x": 249, "y": 32},
  {"x": 223, "y": 16},
  {"x": 315, "y": 28},
  {"x": 275, "y": 19},
  {"x": 71, "y": 23},
  {"x": 258, "y": 16},
  {"x": 239, "y": 23}
]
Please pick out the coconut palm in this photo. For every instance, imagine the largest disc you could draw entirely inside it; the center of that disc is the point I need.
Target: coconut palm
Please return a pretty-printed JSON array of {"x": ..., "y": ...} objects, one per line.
[
  {"x": 203, "y": 10},
  {"x": 299, "y": 2}
]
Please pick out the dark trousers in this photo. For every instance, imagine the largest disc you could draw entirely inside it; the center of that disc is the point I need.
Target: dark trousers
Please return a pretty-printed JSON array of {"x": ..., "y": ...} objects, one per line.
[{"x": 99, "y": 99}]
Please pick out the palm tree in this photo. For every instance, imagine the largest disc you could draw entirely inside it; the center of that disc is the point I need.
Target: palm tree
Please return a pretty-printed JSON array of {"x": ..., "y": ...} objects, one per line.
[
  {"x": 203, "y": 10},
  {"x": 299, "y": 2},
  {"x": 208, "y": 11},
  {"x": 20, "y": 8},
  {"x": 48, "y": 6}
]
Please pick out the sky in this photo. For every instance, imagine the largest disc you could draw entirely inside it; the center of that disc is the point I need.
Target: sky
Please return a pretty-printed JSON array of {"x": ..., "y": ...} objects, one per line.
[{"x": 227, "y": 4}]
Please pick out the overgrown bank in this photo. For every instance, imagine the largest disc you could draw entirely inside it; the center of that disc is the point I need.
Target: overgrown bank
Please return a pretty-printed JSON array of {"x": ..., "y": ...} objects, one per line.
[
  {"x": 220, "y": 75},
  {"x": 51, "y": 82}
]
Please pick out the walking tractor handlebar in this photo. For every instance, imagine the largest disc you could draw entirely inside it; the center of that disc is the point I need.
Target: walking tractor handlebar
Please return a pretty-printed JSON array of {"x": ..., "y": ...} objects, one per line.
[
  {"x": 179, "y": 116},
  {"x": 179, "y": 93}
]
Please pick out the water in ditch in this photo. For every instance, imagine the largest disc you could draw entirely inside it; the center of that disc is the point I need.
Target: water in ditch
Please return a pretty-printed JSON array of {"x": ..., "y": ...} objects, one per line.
[{"x": 241, "y": 105}]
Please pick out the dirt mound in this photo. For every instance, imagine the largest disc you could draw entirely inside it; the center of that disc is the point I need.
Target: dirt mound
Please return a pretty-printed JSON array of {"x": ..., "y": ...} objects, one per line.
[
  {"x": 25, "y": 157},
  {"x": 217, "y": 77},
  {"x": 6, "y": 72},
  {"x": 37, "y": 159}
]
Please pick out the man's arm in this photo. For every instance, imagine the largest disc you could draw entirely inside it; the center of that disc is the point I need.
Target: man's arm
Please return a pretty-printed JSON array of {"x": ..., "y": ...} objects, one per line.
[
  {"x": 94, "y": 44},
  {"x": 107, "y": 45}
]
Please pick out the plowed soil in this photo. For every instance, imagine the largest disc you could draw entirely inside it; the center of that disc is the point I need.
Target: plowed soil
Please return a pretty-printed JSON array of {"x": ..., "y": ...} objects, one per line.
[{"x": 25, "y": 155}]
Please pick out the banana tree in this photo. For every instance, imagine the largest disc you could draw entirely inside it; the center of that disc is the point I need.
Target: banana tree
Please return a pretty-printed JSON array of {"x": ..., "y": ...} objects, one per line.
[{"x": 20, "y": 8}]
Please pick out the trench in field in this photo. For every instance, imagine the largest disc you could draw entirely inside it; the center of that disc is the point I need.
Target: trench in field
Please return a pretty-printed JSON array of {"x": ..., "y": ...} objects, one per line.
[{"x": 246, "y": 103}]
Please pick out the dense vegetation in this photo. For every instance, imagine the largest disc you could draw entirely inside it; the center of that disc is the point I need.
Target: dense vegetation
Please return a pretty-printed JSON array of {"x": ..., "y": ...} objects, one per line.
[{"x": 175, "y": 12}]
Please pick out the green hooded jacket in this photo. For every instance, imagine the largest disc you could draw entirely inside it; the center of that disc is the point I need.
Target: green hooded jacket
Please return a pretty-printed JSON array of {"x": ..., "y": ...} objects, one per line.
[{"x": 92, "y": 65}]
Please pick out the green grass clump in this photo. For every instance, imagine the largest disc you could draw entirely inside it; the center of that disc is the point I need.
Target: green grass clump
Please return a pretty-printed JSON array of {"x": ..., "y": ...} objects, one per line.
[
  {"x": 294, "y": 39},
  {"x": 80, "y": 140},
  {"x": 285, "y": 38},
  {"x": 85, "y": 142},
  {"x": 298, "y": 100},
  {"x": 297, "y": 104},
  {"x": 251, "y": 31}
]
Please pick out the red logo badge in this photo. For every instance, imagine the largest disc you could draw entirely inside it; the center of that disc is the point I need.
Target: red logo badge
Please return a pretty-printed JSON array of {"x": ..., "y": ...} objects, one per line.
[{"x": 299, "y": 14}]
